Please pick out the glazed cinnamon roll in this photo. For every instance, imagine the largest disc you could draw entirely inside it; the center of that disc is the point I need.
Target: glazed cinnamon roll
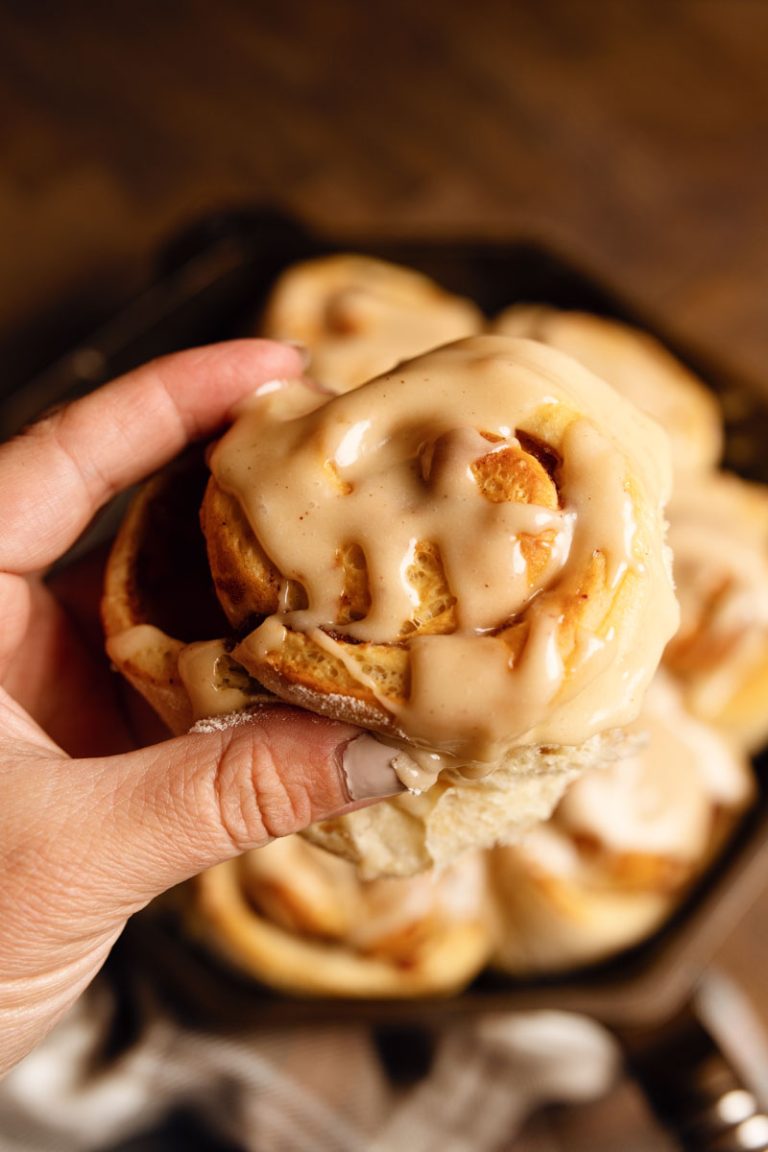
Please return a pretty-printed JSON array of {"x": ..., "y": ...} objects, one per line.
[
  {"x": 638, "y": 366},
  {"x": 359, "y": 316},
  {"x": 299, "y": 920},
  {"x": 719, "y": 533},
  {"x": 623, "y": 846},
  {"x": 465, "y": 555}
]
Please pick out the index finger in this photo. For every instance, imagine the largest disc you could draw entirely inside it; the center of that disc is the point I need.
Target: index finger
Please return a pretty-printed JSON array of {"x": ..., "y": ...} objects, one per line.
[{"x": 56, "y": 474}]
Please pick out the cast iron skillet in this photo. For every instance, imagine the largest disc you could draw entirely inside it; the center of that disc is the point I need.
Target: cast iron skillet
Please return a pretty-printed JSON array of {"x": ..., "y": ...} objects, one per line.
[{"x": 209, "y": 285}]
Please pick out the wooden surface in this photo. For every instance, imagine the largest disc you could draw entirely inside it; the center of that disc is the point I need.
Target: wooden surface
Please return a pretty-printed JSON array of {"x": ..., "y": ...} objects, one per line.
[{"x": 631, "y": 134}]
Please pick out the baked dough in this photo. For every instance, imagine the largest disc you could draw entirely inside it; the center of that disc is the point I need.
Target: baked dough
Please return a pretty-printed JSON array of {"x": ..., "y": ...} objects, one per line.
[
  {"x": 359, "y": 316},
  {"x": 638, "y": 366},
  {"x": 623, "y": 847},
  {"x": 465, "y": 555},
  {"x": 300, "y": 920},
  {"x": 719, "y": 534}
]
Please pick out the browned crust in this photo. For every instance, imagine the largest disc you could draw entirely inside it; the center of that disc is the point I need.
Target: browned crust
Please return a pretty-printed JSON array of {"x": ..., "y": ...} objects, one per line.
[
  {"x": 157, "y": 594},
  {"x": 246, "y": 581},
  {"x": 445, "y": 954},
  {"x": 150, "y": 664},
  {"x": 121, "y": 603},
  {"x": 303, "y": 673}
]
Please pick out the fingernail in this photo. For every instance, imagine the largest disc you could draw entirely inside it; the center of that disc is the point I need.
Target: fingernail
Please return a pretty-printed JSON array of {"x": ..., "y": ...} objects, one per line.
[{"x": 369, "y": 769}]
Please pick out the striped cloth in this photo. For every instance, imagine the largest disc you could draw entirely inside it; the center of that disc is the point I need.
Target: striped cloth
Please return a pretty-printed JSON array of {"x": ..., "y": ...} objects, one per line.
[{"x": 299, "y": 1089}]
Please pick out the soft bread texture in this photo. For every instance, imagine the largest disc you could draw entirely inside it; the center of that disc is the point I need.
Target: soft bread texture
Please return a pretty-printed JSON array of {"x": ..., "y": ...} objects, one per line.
[
  {"x": 302, "y": 921},
  {"x": 359, "y": 316},
  {"x": 719, "y": 532},
  {"x": 623, "y": 847},
  {"x": 639, "y": 367},
  {"x": 409, "y": 834}
]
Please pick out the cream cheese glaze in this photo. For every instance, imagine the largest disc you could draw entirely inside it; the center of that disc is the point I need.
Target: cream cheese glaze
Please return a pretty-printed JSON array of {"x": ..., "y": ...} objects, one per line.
[
  {"x": 659, "y": 798},
  {"x": 215, "y": 683},
  {"x": 358, "y": 316},
  {"x": 539, "y": 653},
  {"x": 639, "y": 367},
  {"x": 366, "y": 913},
  {"x": 719, "y": 529}
]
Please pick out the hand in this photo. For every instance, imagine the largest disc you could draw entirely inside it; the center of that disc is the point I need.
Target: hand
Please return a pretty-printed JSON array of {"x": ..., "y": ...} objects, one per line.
[{"x": 90, "y": 828}]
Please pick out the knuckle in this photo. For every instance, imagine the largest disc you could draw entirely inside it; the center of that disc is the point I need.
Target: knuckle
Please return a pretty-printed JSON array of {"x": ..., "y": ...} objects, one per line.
[{"x": 254, "y": 801}]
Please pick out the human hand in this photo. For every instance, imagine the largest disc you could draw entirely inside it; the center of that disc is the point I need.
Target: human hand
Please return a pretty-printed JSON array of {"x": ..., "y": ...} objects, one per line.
[{"x": 91, "y": 828}]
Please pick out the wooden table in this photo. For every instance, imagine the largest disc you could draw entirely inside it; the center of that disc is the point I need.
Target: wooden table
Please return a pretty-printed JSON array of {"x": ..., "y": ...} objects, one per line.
[{"x": 631, "y": 134}]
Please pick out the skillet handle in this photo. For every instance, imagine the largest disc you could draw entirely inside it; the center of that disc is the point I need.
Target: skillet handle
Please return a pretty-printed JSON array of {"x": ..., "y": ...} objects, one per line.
[{"x": 694, "y": 1088}]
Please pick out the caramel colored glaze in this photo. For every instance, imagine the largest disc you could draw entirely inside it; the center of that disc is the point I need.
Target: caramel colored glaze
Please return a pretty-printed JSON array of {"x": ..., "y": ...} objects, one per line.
[
  {"x": 718, "y": 529},
  {"x": 519, "y": 489},
  {"x": 639, "y": 367},
  {"x": 359, "y": 316},
  {"x": 215, "y": 683},
  {"x": 658, "y": 800}
]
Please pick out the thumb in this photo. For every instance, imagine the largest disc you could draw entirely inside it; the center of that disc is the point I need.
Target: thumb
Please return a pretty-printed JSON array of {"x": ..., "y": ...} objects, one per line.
[
  {"x": 89, "y": 842},
  {"x": 171, "y": 810}
]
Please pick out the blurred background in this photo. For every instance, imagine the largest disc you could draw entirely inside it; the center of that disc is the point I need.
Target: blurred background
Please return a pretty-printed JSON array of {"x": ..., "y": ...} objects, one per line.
[{"x": 629, "y": 135}]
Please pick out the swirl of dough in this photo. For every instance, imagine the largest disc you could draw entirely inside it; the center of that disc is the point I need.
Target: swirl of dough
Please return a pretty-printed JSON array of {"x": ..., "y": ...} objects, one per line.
[
  {"x": 719, "y": 532},
  {"x": 466, "y": 554},
  {"x": 301, "y": 920},
  {"x": 623, "y": 846},
  {"x": 358, "y": 315}
]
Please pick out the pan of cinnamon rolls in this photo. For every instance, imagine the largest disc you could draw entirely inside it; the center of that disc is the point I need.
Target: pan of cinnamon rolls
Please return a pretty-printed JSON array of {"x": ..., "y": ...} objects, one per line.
[{"x": 499, "y": 532}]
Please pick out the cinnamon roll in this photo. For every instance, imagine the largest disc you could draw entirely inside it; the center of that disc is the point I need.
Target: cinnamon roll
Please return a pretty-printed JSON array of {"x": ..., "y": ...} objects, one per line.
[
  {"x": 719, "y": 533},
  {"x": 465, "y": 555},
  {"x": 639, "y": 367},
  {"x": 623, "y": 846},
  {"x": 301, "y": 921},
  {"x": 359, "y": 316}
]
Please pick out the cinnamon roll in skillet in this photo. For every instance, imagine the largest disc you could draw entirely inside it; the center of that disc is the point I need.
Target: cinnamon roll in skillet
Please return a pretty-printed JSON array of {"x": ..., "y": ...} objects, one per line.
[
  {"x": 623, "y": 847},
  {"x": 639, "y": 367},
  {"x": 719, "y": 656},
  {"x": 465, "y": 555},
  {"x": 297, "y": 919},
  {"x": 359, "y": 316}
]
